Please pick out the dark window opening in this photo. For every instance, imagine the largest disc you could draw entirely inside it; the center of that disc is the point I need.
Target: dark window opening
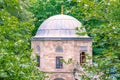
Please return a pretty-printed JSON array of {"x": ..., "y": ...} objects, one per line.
[
  {"x": 38, "y": 61},
  {"x": 82, "y": 58},
  {"x": 38, "y": 55},
  {"x": 59, "y": 63}
]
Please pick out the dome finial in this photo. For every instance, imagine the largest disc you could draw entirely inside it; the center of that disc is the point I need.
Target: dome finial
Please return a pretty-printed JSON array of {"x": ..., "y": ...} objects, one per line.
[{"x": 62, "y": 10}]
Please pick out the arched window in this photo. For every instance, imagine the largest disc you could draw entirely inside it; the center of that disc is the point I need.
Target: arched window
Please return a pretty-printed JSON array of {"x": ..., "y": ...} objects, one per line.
[
  {"x": 82, "y": 58},
  {"x": 59, "y": 79},
  {"x": 38, "y": 49},
  {"x": 38, "y": 55},
  {"x": 59, "y": 49}
]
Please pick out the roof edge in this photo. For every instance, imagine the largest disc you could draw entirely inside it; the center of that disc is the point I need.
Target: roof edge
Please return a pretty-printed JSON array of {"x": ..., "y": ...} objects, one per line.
[{"x": 61, "y": 38}]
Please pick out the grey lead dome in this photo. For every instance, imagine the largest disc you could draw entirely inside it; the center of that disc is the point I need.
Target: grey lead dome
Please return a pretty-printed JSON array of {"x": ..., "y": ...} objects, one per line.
[{"x": 59, "y": 26}]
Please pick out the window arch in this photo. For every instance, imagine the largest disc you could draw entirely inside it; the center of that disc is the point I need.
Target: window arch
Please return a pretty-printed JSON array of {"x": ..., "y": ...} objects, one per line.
[
  {"x": 82, "y": 58},
  {"x": 38, "y": 48},
  {"x": 59, "y": 49},
  {"x": 59, "y": 79}
]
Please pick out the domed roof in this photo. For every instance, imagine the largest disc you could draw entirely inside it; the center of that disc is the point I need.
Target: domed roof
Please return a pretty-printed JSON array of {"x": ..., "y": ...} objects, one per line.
[
  {"x": 60, "y": 22},
  {"x": 59, "y": 26}
]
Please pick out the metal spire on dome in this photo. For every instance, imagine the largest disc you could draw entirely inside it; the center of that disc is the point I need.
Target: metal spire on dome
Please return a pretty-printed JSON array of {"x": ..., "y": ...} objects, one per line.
[{"x": 62, "y": 10}]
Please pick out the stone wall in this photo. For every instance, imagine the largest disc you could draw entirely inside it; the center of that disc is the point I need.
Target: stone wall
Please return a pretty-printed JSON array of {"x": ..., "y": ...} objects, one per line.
[
  {"x": 71, "y": 49},
  {"x": 65, "y": 76}
]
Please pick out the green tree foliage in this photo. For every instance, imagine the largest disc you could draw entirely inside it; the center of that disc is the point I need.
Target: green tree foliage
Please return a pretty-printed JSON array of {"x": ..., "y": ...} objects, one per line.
[
  {"x": 102, "y": 68},
  {"x": 18, "y": 8},
  {"x": 102, "y": 21},
  {"x": 15, "y": 53}
]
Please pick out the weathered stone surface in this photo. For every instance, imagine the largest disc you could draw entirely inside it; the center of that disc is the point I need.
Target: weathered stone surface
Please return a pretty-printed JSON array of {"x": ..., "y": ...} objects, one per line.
[{"x": 71, "y": 49}]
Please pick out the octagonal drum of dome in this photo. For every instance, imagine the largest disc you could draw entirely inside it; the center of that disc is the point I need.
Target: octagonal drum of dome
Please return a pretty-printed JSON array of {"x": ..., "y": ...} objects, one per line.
[{"x": 59, "y": 27}]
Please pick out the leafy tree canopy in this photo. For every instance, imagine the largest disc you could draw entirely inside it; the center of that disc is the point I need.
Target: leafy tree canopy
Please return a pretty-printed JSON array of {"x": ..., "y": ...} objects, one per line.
[{"x": 15, "y": 52}]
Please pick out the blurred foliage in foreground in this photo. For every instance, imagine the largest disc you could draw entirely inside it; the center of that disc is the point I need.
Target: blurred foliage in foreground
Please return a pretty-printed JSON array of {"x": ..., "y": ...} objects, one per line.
[{"x": 15, "y": 33}]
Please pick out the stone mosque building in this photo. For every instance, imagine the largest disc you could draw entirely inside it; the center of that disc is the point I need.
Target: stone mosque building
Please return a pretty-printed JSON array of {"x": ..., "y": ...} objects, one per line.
[{"x": 56, "y": 39}]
